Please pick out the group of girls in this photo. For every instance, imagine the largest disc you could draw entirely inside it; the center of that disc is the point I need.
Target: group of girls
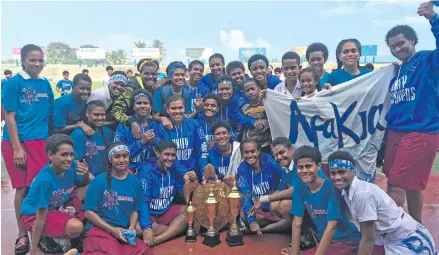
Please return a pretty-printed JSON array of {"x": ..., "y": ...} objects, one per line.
[{"x": 116, "y": 159}]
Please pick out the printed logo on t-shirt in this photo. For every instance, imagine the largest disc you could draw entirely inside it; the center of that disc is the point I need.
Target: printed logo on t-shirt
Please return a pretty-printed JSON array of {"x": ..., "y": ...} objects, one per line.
[
  {"x": 58, "y": 197},
  {"x": 111, "y": 199},
  {"x": 400, "y": 93},
  {"x": 260, "y": 190},
  {"x": 164, "y": 200},
  {"x": 314, "y": 212},
  {"x": 92, "y": 149},
  {"x": 30, "y": 96}
]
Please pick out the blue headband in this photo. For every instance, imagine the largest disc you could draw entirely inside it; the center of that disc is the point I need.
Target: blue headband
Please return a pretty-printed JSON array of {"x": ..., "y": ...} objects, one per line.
[
  {"x": 340, "y": 163},
  {"x": 140, "y": 95},
  {"x": 260, "y": 60},
  {"x": 171, "y": 68},
  {"x": 116, "y": 149},
  {"x": 118, "y": 77}
]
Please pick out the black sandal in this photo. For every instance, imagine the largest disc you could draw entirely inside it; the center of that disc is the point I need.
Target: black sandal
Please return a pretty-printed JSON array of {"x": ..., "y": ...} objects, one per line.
[
  {"x": 22, "y": 249},
  {"x": 50, "y": 246}
]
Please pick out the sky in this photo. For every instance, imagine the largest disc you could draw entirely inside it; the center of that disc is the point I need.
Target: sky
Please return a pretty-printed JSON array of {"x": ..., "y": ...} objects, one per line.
[{"x": 223, "y": 26}]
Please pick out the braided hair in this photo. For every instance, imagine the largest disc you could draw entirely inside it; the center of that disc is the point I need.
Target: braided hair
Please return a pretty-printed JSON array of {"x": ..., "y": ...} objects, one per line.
[
  {"x": 108, "y": 162},
  {"x": 340, "y": 47}
]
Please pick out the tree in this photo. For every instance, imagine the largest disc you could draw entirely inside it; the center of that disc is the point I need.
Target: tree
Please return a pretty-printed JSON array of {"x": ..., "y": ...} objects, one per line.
[
  {"x": 140, "y": 44},
  {"x": 275, "y": 60},
  {"x": 116, "y": 57},
  {"x": 159, "y": 44},
  {"x": 88, "y": 46},
  {"x": 60, "y": 53}
]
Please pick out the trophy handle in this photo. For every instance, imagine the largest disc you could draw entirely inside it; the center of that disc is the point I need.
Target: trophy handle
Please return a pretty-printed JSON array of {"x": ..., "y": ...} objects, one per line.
[{"x": 189, "y": 188}]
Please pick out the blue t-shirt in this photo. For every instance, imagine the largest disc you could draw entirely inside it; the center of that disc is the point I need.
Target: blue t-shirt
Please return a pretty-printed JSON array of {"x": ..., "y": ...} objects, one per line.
[
  {"x": 114, "y": 205},
  {"x": 340, "y": 76},
  {"x": 32, "y": 101},
  {"x": 164, "y": 93},
  {"x": 49, "y": 190},
  {"x": 68, "y": 111},
  {"x": 273, "y": 81},
  {"x": 323, "y": 206},
  {"x": 64, "y": 85},
  {"x": 92, "y": 149},
  {"x": 324, "y": 80}
]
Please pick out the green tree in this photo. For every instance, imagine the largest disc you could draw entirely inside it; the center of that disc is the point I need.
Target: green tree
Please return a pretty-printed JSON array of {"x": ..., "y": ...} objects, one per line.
[
  {"x": 159, "y": 44},
  {"x": 140, "y": 44},
  {"x": 275, "y": 60},
  {"x": 116, "y": 57},
  {"x": 60, "y": 53}
]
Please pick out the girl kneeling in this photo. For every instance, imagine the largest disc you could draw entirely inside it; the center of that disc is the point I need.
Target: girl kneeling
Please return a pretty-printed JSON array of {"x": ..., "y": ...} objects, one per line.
[
  {"x": 53, "y": 186},
  {"x": 111, "y": 206}
]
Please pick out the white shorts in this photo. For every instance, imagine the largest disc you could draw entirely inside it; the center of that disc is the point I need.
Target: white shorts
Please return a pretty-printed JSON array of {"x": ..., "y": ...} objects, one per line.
[{"x": 411, "y": 238}]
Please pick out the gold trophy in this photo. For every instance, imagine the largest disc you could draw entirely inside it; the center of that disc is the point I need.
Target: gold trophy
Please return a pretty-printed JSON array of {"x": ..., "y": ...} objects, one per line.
[
  {"x": 211, "y": 238},
  {"x": 234, "y": 235},
  {"x": 190, "y": 234}
]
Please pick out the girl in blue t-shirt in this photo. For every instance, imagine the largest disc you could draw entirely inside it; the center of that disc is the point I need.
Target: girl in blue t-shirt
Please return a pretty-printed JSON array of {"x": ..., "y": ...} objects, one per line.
[
  {"x": 216, "y": 64},
  {"x": 337, "y": 235},
  {"x": 348, "y": 55},
  {"x": 48, "y": 209},
  {"x": 140, "y": 149},
  {"x": 27, "y": 101},
  {"x": 112, "y": 205},
  {"x": 92, "y": 148},
  {"x": 259, "y": 175}
]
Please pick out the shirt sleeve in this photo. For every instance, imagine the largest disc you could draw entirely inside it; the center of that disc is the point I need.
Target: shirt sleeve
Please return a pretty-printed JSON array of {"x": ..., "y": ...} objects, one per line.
[
  {"x": 298, "y": 205},
  {"x": 41, "y": 192},
  {"x": 59, "y": 118},
  {"x": 334, "y": 204},
  {"x": 92, "y": 196},
  {"x": 244, "y": 120},
  {"x": 10, "y": 96},
  {"x": 435, "y": 56},
  {"x": 58, "y": 85},
  {"x": 245, "y": 189},
  {"x": 157, "y": 101},
  {"x": 201, "y": 149},
  {"x": 79, "y": 144},
  {"x": 365, "y": 207},
  {"x": 144, "y": 216}
]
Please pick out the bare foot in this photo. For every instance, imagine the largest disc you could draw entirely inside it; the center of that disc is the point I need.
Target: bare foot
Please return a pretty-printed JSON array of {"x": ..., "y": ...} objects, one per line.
[{"x": 71, "y": 252}]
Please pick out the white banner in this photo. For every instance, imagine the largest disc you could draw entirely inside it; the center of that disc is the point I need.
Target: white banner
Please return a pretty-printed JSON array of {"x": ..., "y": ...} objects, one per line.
[
  {"x": 350, "y": 117},
  {"x": 90, "y": 53},
  {"x": 139, "y": 53}
]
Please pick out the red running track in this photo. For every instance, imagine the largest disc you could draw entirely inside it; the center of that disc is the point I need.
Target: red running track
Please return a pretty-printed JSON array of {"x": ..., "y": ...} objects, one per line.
[{"x": 271, "y": 243}]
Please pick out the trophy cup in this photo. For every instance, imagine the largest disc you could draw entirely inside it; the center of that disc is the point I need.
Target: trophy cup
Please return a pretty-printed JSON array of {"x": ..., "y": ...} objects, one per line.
[
  {"x": 234, "y": 235},
  {"x": 190, "y": 234},
  {"x": 211, "y": 238}
]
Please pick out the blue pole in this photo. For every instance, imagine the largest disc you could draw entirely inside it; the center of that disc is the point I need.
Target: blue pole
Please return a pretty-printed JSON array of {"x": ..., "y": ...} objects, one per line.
[{"x": 16, "y": 63}]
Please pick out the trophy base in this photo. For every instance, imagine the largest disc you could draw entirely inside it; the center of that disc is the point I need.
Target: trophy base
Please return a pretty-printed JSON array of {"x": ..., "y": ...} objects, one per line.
[
  {"x": 190, "y": 239},
  {"x": 234, "y": 240},
  {"x": 211, "y": 241}
]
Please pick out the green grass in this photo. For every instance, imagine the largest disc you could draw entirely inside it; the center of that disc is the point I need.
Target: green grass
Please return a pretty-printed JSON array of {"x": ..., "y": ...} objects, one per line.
[{"x": 95, "y": 85}]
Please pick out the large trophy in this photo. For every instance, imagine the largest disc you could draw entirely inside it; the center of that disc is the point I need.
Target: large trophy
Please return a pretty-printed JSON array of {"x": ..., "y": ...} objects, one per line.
[
  {"x": 211, "y": 238},
  {"x": 190, "y": 234},
  {"x": 234, "y": 235},
  {"x": 212, "y": 206}
]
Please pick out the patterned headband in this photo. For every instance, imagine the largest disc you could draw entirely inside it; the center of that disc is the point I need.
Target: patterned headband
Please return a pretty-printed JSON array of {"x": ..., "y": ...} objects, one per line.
[
  {"x": 171, "y": 69},
  {"x": 340, "y": 163},
  {"x": 141, "y": 94},
  {"x": 260, "y": 60},
  {"x": 229, "y": 82},
  {"x": 118, "y": 77},
  {"x": 116, "y": 149}
]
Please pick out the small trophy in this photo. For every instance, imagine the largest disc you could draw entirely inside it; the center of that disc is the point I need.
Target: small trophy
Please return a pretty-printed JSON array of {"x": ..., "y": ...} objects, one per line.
[
  {"x": 211, "y": 238},
  {"x": 190, "y": 234},
  {"x": 234, "y": 235}
]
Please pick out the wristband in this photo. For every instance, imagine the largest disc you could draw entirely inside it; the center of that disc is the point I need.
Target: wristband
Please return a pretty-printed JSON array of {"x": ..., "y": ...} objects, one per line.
[{"x": 264, "y": 199}]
